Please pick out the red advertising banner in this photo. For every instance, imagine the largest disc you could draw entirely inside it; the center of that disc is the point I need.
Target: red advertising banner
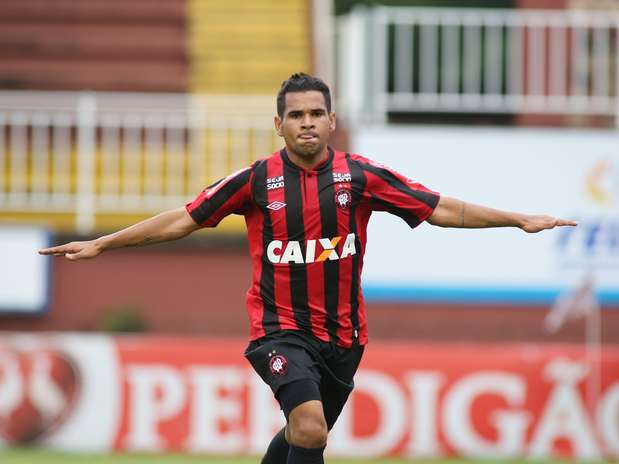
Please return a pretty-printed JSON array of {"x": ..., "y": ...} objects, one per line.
[{"x": 80, "y": 392}]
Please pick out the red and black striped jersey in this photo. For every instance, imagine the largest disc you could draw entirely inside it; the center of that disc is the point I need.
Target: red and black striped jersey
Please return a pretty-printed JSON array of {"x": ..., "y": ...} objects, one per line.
[{"x": 307, "y": 235}]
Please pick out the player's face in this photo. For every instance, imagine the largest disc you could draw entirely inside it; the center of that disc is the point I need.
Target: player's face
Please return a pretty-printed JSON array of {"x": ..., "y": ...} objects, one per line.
[{"x": 306, "y": 124}]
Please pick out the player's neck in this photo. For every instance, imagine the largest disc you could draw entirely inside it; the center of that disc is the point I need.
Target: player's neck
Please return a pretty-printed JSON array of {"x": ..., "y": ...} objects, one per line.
[{"x": 307, "y": 162}]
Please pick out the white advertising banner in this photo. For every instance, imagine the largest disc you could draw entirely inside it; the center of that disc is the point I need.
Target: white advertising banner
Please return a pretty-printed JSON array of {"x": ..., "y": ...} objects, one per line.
[
  {"x": 24, "y": 275},
  {"x": 571, "y": 174}
]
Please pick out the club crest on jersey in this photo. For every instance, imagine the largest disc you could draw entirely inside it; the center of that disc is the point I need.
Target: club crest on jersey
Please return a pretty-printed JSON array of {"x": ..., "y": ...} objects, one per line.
[
  {"x": 280, "y": 252},
  {"x": 343, "y": 198},
  {"x": 278, "y": 364}
]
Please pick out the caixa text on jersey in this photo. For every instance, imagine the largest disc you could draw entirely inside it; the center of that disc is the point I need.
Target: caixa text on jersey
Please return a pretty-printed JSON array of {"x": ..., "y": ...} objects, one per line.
[{"x": 280, "y": 252}]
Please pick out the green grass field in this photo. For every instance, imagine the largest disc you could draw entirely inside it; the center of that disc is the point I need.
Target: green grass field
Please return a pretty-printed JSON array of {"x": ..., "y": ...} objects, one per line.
[{"x": 43, "y": 457}]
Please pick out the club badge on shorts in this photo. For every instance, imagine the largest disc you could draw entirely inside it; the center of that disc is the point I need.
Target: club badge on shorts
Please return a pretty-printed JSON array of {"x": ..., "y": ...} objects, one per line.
[
  {"x": 343, "y": 198},
  {"x": 277, "y": 363}
]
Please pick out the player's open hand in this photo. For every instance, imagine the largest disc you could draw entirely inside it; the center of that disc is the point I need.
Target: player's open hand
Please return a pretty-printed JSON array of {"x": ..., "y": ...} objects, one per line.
[
  {"x": 537, "y": 223},
  {"x": 74, "y": 250}
]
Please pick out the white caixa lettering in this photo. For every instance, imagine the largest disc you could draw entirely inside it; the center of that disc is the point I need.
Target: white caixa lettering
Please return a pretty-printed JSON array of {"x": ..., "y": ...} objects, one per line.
[{"x": 292, "y": 252}]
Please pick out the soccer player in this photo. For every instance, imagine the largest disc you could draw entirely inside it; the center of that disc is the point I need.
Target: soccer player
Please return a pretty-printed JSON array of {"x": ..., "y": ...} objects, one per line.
[{"x": 306, "y": 208}]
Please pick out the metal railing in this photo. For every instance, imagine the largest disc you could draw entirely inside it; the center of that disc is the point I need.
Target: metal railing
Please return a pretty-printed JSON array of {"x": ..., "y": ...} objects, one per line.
[
  {"x": 94, "y": 153},
  {"x": 397, "y": 59}
]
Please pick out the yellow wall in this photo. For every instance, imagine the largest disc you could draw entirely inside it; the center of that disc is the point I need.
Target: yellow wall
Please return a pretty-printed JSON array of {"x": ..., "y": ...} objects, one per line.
[{"x": 239, "y": 46}]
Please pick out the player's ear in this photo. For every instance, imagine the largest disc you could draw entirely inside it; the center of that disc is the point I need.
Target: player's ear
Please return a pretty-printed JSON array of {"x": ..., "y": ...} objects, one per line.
[
  {"x": 332, "y": 121},
  {"x": 278, "y": 125}
]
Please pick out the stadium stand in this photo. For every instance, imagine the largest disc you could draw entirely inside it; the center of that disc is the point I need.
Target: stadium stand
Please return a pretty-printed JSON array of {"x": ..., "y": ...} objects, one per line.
[
  {"x": 95, "y": 45},
  {"x": 205, "y": 46},
  {"x": 241, "y": 47},
  {"x": 144, "y": 144}
]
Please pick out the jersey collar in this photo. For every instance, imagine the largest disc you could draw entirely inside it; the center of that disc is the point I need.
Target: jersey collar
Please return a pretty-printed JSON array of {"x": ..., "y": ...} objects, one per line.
[{"x": 322, "y": 166}]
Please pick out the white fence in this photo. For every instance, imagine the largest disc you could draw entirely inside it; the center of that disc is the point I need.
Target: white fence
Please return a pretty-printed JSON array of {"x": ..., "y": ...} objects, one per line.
[
  {"x": 399, "y": 59},
  {"x": 90, "y": 153},
  {"x": 101, "y": 153}
]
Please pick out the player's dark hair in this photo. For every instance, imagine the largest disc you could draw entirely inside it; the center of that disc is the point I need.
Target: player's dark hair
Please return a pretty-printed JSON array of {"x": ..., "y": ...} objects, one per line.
[{"x": 301, "y": 82}]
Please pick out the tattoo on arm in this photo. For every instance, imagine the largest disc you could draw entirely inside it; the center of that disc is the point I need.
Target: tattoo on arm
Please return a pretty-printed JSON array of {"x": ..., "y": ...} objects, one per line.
[
  {"x": 145, "y": 241},
  {"x": 462, "y": 214}
]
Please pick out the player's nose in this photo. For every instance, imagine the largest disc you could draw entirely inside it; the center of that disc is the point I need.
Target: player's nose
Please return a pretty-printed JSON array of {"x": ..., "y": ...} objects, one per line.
[{"x": 307, "y": 121}]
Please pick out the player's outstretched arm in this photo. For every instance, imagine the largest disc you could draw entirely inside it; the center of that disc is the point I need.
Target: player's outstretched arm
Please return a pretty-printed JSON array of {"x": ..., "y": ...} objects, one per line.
[
  {"x": 169, "y": 225},
  {"x": 451, "y": 212}
]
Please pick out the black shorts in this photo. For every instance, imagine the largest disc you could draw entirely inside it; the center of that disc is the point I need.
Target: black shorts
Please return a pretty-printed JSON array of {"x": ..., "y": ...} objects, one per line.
[{"x": 299, "y": 367}]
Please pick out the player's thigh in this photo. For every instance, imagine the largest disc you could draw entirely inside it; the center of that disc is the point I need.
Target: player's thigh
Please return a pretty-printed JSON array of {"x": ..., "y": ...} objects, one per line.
[
  {"x": 297, "y": 393},
  {"x": 334, "y": 398},
  {"x": 337, "y": 384}
]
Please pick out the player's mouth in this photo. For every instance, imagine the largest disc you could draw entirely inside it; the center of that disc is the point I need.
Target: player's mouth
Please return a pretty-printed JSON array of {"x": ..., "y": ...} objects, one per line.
[{"x": 308, "y": 137}]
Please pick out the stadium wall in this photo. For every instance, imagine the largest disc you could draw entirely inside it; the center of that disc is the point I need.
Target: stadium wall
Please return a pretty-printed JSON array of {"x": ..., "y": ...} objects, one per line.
[
  {"x": 96, "y": 45},
  {"x": 153, "y": 45},
  {"x": 193, "y": 289}
]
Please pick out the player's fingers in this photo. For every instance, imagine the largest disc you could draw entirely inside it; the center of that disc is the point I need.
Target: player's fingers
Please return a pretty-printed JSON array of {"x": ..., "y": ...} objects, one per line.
[
  {"x": 564, "y": 222},
  {"x": 48, "y": 251},
  {"x": 59, "y": 250},
  {"x": 56, "y": 251}
]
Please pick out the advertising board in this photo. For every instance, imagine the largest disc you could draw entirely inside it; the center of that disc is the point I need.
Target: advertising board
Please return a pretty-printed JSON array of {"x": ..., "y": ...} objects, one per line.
[
  {"x": 24, "y": 275},
  {"x": 153, "y": 394},
  {"x": 570, "y": 174}
]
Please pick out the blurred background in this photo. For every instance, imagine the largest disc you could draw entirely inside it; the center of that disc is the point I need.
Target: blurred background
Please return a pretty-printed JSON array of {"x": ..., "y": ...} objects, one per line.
[{"x": 484, "y": 344}]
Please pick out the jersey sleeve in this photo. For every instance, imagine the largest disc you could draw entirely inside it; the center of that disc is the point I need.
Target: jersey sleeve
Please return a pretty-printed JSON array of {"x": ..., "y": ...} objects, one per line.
[
  {"x": 230, "y": 195},
  {"x": 388, "y": 190}
]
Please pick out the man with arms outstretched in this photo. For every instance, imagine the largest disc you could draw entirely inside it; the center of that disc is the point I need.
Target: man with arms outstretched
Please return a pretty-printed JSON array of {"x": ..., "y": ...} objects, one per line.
[{"x": 306, "y": 208}]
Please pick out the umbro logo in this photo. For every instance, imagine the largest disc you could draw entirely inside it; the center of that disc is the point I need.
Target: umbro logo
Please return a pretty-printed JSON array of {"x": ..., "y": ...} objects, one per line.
[{"x": 276, "y": 205}]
